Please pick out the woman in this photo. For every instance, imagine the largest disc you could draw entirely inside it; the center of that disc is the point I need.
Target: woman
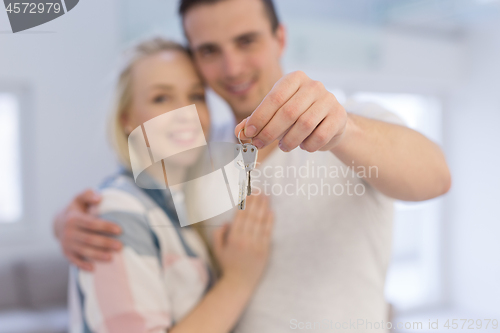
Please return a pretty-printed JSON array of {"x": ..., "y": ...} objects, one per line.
[{"x": 162, "y": 280}]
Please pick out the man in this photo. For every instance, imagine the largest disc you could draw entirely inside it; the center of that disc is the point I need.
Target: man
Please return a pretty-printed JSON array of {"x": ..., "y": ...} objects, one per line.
[{"x": 330, "y": 253}]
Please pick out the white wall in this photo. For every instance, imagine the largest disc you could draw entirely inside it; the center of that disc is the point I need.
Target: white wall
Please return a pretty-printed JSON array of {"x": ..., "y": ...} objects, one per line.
[
  {"x": 357, "y": 57},
  {"x": 473, "y": 149},
  {"x": 63, "y": 65}
]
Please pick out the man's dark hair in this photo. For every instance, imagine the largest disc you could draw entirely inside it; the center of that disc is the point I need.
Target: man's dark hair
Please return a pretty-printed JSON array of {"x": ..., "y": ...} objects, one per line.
[{"x": 185, "y": 5}]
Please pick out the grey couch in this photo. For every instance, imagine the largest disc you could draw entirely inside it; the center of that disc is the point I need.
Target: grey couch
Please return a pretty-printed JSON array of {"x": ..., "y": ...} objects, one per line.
[{"x": 33, "y": 295}]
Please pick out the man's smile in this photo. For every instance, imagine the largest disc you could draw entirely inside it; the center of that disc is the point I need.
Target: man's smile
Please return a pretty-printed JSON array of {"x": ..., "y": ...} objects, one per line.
[{"x": 240, "y": 88}]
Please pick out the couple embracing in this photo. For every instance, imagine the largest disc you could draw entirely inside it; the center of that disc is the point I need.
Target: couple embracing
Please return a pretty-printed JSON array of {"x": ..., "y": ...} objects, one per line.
[{"x": 283, "y": 260}]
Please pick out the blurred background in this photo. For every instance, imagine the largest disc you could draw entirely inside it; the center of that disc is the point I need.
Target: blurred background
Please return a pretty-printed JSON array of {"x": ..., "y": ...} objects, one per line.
[{"x": 436, "y": 63}]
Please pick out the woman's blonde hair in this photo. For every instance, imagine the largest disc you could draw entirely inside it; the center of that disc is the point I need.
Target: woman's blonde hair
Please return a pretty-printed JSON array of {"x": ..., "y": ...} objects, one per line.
[
  {"x": 123, "y": 90},
  {"x": 123, "y": 101}
]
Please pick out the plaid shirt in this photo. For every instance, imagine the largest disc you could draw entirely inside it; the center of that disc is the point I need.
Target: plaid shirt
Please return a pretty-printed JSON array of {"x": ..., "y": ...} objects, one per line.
[{"x": 161, "y": 273}]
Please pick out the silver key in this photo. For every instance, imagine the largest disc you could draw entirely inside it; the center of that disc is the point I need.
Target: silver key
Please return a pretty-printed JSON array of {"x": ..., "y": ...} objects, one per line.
[
  {"x": 242, "y": 184},
  {"x": 249, "y": 153}
]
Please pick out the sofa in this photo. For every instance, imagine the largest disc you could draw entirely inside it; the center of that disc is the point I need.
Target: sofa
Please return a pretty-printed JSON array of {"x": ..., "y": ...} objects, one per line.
[{"x": 33, "y": 295}]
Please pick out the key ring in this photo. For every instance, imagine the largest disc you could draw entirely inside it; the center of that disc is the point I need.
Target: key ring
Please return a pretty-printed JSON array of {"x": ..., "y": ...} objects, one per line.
[{"x": 239, "y": 133}]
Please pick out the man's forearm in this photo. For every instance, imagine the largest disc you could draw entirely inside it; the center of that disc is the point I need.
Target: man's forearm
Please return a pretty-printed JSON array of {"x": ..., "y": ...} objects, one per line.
[{"x": 409, "y": 166}]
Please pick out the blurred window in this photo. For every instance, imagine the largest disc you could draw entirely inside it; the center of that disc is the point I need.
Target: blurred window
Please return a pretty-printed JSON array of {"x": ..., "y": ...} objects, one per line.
[{"x": 10, "y": 164}]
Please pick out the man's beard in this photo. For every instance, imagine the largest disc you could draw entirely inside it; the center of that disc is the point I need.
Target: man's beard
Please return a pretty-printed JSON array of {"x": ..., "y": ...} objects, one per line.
[{"x": 243, "y": 111}]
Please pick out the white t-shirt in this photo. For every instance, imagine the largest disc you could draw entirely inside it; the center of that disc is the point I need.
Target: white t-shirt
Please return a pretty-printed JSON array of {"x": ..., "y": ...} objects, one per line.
[{"x": 331, "y": 243}]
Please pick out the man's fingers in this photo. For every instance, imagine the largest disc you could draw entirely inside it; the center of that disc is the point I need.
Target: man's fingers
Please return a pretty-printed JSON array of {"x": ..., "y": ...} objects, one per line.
[
  {"x": 238, "y": 128},
  {"x": 286, "y": 116},
  {"x": 92, "y": 239},
  {"x": 81, "y": 263},
  {"x": 282, "y": 91},
  {"x": 91, "y": 253},
  {"x": 304, "y": 126},
  {"x": 88, "y": 197},
  {"x": 320, "y": 136},
  {"x": 327, "y": 134},
  {"x": 95, "y": 224}
]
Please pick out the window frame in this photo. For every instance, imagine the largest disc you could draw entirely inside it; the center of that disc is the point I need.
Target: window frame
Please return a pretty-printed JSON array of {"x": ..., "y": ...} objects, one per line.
[{"x": 22, "y": 230}]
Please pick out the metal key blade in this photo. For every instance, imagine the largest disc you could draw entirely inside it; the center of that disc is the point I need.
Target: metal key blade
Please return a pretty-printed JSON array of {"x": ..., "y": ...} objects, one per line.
[
  {"x": 242, "y": 192},
  {"x": 249, "y": 153},
  {"x": 242, "y": 183},
  {"x": 249, "y": 184}
]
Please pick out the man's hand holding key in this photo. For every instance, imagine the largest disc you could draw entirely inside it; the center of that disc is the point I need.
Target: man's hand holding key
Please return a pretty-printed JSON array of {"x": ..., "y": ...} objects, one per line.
[{"x": 298, "y": 111}]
